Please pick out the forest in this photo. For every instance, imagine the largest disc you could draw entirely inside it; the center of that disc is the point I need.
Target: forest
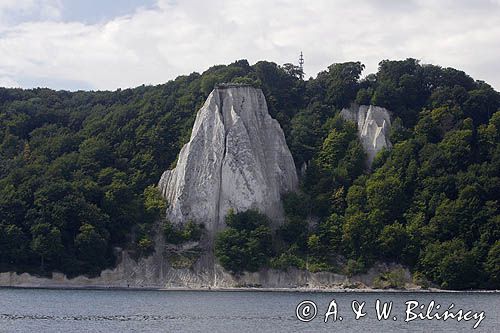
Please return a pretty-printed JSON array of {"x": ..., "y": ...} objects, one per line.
[{"x": 78, "y": 172}]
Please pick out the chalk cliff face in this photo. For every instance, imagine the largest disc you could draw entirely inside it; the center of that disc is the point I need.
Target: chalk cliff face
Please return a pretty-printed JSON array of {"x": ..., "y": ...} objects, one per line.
[
  {"x": 374, "y": 124},
  {"x": 236, "y": 158}
]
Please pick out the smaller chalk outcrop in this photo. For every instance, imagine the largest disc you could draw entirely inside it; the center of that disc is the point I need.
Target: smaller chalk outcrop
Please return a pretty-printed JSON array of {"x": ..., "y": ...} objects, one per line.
[{"x": 374, "y": 123}]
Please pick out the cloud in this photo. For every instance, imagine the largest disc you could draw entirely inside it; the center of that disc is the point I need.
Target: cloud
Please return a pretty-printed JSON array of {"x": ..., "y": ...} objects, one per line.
[
  {"x": 16, "y": 11},
  {"x": 153, "y": 45},
  {"x": 8, "y": 82}
]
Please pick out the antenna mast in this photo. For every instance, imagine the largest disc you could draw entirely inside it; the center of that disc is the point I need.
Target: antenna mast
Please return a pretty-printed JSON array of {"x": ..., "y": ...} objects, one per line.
[{"x": 301, "y": 65}]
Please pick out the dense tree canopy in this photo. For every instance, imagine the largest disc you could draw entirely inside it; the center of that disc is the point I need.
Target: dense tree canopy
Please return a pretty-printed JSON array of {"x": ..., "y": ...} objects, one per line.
[
  {"x": 246, "y": 243},
  {"x": 78, "y": 169},
  {"x": 430, "y": 203}
]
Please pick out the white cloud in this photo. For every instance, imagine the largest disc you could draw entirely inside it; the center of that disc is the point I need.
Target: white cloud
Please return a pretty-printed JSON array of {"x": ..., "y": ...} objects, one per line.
[
  {"x": 18, "y": 5},
  {"x": 8, "y": 82},
  {"x": 20, "y": 10},
  {"x": 174, "y": 38}
]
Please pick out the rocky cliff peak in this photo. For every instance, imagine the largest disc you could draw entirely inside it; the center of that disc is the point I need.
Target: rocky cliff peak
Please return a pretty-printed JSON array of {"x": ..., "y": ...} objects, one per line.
[
  {"x": 374, "y": 123},
  {"x": 237, "y": 157}
]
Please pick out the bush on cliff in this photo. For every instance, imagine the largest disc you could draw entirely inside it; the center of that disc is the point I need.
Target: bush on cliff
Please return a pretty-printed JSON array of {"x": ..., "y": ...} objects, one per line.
[
  {"x": 246, "y": 243},
  {"x": 176, "y": 234}
]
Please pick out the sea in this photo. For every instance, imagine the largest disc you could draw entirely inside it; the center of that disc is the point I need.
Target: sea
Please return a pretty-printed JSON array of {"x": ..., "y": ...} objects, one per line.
[{"x": 56, "y": 310}]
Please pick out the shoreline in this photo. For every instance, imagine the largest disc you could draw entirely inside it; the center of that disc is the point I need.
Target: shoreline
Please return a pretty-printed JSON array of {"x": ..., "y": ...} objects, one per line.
[{"x": 255, "y": 289}]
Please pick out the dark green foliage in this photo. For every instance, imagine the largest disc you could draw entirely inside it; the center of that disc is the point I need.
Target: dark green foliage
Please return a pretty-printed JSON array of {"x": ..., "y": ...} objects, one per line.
[
  {"x": 294, "y": 233},
  {"x": 246, "y": 243},
  {"x": 434, "y": 206},
  {"x": 450, "y": 264},
  {"x": 46, "y": 242},
  {"x": 326, "y": 243},
  {"x": 306, "y": 133},
  {"x": 290, "y": 257},
  {"x": 191, "y": 232},
  {"x": 354, "y": 267},
  {"x": 145, "y": 245},
  {"x": 73, "y": 160},
  {"x": 76, "y": 170},
  {"x": 296, "y": 205},
  {"x": 492, "y": 264},
  {"x": 340, "y": 83},
  {"x": 154, "y": 203},
  {"x": 338, "y": 162},
  {"x": 430, "y": 203},
  {"x": 90, "y": 246},
  {"x": 394, "y": 279}
]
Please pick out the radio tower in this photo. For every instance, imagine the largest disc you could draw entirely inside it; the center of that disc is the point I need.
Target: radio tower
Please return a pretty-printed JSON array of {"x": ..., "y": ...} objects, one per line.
[{"x": 301, "y": 65}]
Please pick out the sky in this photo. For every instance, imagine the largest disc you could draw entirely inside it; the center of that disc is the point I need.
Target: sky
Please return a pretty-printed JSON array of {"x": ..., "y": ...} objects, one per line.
[{"x": 110, "y": 44}]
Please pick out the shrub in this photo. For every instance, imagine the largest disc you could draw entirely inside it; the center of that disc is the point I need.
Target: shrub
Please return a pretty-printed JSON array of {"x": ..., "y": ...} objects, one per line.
[
  {"x": 391, "y": 279},
  {"x": 176, "y": 234},
  {"x": 246, "y": 244}
]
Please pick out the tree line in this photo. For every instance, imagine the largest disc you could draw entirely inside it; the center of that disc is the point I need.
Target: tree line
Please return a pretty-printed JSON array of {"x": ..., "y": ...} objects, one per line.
[{"x": 78, "y": 169}]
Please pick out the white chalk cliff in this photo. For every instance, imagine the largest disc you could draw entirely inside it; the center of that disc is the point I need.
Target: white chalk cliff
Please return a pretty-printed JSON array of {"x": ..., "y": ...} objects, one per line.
[
  {"x": 374, "y": 124},
  {"x": 237, "y": 157}
]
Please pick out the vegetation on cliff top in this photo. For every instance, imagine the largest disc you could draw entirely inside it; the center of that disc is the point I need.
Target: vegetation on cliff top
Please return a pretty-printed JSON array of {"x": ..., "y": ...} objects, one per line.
[{"x": 75, "y": 169}]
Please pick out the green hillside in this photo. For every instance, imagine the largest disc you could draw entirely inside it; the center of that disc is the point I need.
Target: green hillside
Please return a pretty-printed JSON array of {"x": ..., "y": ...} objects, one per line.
[{"x": 78, "y": 169}]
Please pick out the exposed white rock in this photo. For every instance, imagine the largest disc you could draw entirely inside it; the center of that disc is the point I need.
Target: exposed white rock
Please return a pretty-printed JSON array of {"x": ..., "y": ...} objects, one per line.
[
  {"x": 374, "y": 123},
  {"x": 149, "y": 273},
  {"x": 236, "y": 158}
]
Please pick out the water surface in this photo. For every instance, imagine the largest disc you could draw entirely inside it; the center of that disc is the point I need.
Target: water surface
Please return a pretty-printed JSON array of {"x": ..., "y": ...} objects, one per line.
[{"x": 44, "y": 310}]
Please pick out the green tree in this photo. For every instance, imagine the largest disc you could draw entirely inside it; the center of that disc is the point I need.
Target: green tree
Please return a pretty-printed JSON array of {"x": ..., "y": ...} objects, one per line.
[
  {"x": 492, "y": 264},
  {"x": 90, "y": 247},
  {"x": 46, "y": 242},
  {"x": 450, "y": 264},
  {"x": 13, "y": 244},
  {"x": 393, "y": 241},
  {"x": 341, "y": 82},
  {"x": 246, "y": 244}
]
